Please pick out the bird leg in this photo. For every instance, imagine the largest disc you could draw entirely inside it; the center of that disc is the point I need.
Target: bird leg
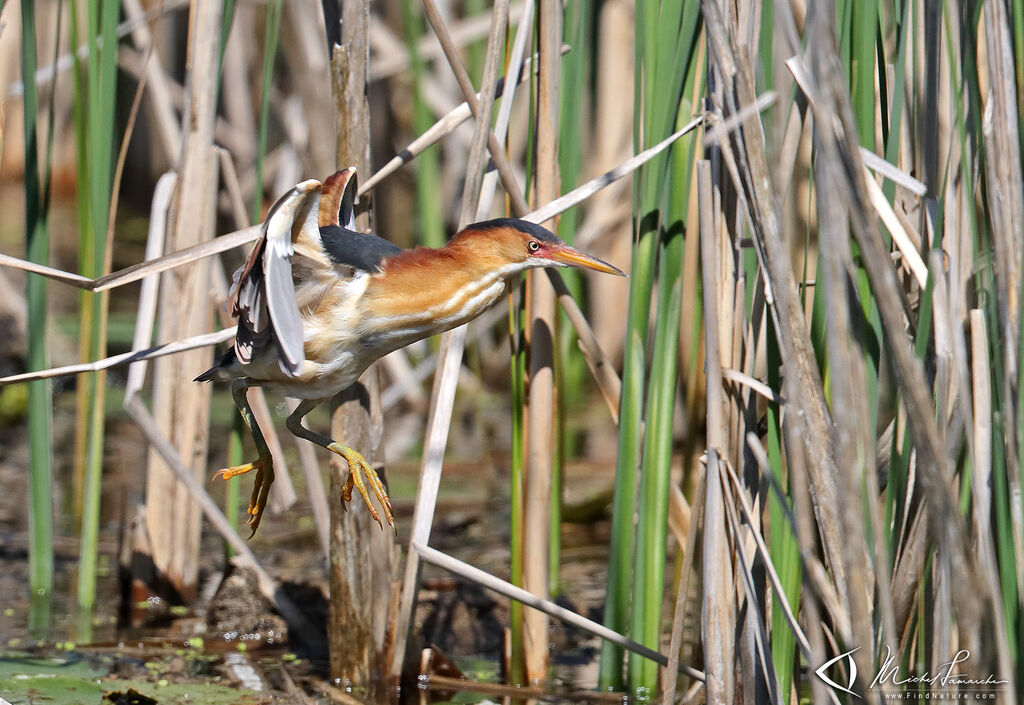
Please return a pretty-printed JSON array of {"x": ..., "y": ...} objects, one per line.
[
  {"x": 263, "y": 465},
  {"x": 361, "y": 473}
]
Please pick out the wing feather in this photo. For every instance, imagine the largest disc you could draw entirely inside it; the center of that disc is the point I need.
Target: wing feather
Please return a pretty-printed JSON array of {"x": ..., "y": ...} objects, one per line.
[
  {"x": 308, "y": 246},
  {"x": 264, "y": 292},
  {"x": 283, "y": 227},
  {"x": 248, "y": 305}
]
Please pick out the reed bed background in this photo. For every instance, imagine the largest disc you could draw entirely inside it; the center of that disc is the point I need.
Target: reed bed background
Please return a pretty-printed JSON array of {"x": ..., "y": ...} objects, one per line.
[{"x": 814, "y": 377}]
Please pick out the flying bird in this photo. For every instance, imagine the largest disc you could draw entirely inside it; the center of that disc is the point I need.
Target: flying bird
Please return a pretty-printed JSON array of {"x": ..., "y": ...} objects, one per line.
[{"x": 317, "y": 302}]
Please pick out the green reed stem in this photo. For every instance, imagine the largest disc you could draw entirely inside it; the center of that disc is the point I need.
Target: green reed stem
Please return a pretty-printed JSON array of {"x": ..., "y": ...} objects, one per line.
[
  {"x": 100, "y": 118},
  {"x": 40, "y": 402},
  {"x": 652, "y": 510}
]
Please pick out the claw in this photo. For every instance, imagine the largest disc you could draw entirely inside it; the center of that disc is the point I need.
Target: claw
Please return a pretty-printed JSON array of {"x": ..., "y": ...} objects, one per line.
[
  {"x": 234, "y": 471},
  {"x": 264, "y": 468},
  {"x": 361, "y": 474}
]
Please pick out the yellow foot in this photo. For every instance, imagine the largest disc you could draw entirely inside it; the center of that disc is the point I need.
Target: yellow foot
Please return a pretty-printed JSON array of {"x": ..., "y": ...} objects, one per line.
[
  {"x": 235, "y": 470},
  {"x": 264, "y": 468},
  {"x": 358, "y": 468}
]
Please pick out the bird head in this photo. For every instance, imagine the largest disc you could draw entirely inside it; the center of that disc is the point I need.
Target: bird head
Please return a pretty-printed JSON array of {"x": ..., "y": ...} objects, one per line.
[{"x": 520, "y": 244}]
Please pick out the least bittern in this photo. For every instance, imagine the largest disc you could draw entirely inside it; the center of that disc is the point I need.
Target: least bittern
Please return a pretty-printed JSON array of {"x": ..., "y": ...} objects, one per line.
[{"x": 318, "y": 302}]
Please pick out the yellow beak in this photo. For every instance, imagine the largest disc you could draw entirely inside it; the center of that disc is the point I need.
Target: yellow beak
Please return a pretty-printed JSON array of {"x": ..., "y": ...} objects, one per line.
[{"x": 570, "y": 257}]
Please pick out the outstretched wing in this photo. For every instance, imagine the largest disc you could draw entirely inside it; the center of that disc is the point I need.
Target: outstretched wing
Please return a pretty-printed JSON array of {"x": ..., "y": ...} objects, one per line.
[
  {"x": 263, "y": 297},
  {"x": 308, "y": 246}
]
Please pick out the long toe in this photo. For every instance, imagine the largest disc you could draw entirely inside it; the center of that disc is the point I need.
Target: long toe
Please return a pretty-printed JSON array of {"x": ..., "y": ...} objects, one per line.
[
  {"x": 254, "y": 512},
  {"x": 362, "y": 473},
  {"x": 346, "y": 491},
  {"x": 235, "y": 470},
  {"x": 253, "y": 522},
  {"x": 260, "y": 492},
  {"x": 377, "y": 486}
]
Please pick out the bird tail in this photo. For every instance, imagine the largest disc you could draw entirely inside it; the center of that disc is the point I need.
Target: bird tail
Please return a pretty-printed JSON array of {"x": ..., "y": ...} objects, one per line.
[
  {"x": 210, "y": 375},
  {"x": 215, "y": 373}
]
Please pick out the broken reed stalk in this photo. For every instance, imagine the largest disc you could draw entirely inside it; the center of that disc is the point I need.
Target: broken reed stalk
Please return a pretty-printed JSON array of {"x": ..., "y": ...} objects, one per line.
[
  {"x": 540, "y": 436},
  {"x": 1005, "y": 183},
  {"x": 516, "y": 670},
  {"x": 363, "y": 559},
  {"x": 517, "y": 490},
  {"x": 756, "y": 657},
  {"x": 717, "y": 615},
  {"x": 182, "y": 411}
]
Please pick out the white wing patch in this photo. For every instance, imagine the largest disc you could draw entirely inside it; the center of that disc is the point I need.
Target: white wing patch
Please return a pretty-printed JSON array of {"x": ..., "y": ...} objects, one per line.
[{"x": 294, "y": 213}]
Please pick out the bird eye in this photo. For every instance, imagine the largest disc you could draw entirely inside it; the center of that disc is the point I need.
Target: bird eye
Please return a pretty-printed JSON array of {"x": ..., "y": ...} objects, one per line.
[{"x": 533, "y": 245}]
